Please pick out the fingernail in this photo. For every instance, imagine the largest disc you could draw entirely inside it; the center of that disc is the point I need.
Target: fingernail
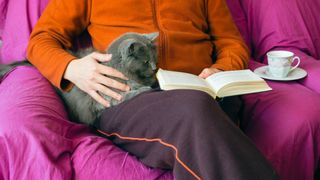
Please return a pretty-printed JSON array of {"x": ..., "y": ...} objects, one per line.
[
  {"x": 107, "y": 104},
  {"x": 119, "y": 98},
  {"x": 128, "y": 88},
  {"x": 109, "y": 56}
]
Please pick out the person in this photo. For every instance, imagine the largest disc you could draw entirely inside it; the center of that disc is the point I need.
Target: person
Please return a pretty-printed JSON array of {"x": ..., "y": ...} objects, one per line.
[{"x": 182, "y": 130}]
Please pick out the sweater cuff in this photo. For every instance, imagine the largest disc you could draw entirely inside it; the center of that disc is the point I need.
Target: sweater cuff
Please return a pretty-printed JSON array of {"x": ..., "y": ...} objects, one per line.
[
  {"x": 221, "y": 67},
  {"x": 224, "y": 64},
  {"x": 58, "y": 79}
]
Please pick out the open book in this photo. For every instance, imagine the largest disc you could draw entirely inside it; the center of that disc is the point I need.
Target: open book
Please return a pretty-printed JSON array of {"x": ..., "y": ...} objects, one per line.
[{"x": 222, "y": 84}]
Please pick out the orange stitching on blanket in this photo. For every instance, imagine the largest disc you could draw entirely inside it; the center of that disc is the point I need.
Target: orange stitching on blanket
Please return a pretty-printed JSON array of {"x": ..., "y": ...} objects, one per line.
[{"x": 155, "y": 140}]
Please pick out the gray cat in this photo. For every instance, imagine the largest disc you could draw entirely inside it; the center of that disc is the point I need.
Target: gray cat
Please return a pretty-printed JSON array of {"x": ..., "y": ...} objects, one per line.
[{"x": 133, "y": 54}]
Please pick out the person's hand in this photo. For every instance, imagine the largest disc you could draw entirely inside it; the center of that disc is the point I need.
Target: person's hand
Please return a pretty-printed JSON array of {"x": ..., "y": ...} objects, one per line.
[
  {"x": 88, "y": 75},
  {"x": 208, "y": 71}
]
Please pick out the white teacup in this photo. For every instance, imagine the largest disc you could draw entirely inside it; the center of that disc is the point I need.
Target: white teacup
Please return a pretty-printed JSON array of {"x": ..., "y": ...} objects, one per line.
[{"x": 280, "y": 63}]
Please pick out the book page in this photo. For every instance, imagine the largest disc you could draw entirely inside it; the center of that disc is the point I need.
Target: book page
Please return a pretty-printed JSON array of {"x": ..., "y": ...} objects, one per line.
[
  {"x": 179, "y": 78},
  {"x": 170, "y": 80},
  {"x": 222, "y": 79}
]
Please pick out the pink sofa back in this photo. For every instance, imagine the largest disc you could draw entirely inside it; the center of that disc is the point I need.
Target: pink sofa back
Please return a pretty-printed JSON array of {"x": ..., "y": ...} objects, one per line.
[
  {"x": 270, "y": 24},
  {"x": 17, "y": 18}
]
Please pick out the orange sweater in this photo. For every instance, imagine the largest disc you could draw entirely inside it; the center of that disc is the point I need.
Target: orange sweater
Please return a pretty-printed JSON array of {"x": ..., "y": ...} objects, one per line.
[{"x": 190, "y": 30}]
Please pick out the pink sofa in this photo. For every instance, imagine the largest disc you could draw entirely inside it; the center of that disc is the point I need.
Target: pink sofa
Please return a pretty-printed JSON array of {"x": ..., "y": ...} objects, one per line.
[{"x": 283, "y": 123}]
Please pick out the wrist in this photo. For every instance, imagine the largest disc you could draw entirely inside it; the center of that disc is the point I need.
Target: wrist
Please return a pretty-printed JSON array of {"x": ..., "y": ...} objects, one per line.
[{"x": 68, "y": 74}]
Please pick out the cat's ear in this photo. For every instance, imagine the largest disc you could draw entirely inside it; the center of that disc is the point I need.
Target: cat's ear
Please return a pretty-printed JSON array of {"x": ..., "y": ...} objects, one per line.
[
  {"x": 152, "y": 36},
  {"x": 132, "y": 47},
  {"x": 129, "y": 47}
]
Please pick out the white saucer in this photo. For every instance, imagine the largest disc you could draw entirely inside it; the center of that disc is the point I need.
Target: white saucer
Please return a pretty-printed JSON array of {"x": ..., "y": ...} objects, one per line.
[{"x": 297, "y": 73}]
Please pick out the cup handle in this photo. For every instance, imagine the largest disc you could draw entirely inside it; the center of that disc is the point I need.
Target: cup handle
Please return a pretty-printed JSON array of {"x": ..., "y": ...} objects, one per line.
[{"x": 295, "y": 58}]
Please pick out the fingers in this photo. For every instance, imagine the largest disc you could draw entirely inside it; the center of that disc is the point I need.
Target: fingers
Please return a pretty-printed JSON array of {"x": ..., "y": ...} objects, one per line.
[
  {"x": 208, "y": 71},
  {"x": 110, "y": 72},
  {"x": 101, "y": 79},
  {"x": 105, "y": 69},
  {"x": 99, "y": 98},
  {"x": 204, "y": 74},
  {"x": 108, "y": 92},
  {"x": 101, "y": 57},
  {"x": 101, "y": 84},
  {"x": 94, "y": 79}
]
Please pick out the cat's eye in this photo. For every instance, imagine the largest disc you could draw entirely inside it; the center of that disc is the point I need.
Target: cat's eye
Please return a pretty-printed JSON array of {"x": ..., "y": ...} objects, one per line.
[{"x": 141, "y": 50}]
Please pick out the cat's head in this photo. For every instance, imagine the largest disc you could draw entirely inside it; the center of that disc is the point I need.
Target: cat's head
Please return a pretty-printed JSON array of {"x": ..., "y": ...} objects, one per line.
[{"x": 139, "y": 56}]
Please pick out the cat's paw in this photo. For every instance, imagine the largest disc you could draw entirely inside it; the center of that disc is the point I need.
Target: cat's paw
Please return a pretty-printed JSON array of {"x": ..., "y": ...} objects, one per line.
[{"x": 144, "y": 88}]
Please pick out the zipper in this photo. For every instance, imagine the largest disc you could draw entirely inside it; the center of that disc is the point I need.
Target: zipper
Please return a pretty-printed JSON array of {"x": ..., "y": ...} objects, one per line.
[{"x": 162, "y": 35}]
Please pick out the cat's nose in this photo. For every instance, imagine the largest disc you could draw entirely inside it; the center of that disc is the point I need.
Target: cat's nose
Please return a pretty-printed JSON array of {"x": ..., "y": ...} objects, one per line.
[{"x": 153, "y": 66}]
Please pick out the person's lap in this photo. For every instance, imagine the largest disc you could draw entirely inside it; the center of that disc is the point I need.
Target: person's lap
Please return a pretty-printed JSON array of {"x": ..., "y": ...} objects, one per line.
[{"x": 159, "y": 125}]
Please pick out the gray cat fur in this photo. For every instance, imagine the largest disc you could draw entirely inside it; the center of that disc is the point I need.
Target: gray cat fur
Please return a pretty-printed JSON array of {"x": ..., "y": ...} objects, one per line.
[
  {"x": 124, "y": 55},
  {"x": 133, "y": 54}
]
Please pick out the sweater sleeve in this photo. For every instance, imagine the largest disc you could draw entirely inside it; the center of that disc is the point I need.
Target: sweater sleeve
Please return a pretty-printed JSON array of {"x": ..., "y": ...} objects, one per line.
[
  {"x": 54, "y": 32},
  {"x": 232, "y": 53}
]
